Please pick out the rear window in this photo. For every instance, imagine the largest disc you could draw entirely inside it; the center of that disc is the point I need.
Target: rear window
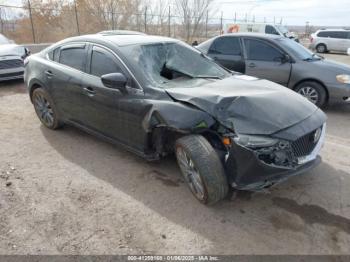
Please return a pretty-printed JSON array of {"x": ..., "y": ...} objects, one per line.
[
  {"x": 74, "y": 57},
  {"x": 226, "y": 46},
  {"x": 54, "y": 54}
]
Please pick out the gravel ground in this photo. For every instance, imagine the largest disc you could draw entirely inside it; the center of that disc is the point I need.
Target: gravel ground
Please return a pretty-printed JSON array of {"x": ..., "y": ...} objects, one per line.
[{"x": 66, "y": 192}]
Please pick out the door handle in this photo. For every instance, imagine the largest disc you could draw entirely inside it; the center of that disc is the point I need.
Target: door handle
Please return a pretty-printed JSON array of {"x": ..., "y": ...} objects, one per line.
[
  {"x": 252, "y": 65},
  {"x": 89, "y": 90},
  {"x": 48, "y": 73}
]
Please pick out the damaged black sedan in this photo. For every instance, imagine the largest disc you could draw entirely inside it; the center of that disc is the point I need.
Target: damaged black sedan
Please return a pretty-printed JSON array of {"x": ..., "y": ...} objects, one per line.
[{"x": 158, "y": 96}]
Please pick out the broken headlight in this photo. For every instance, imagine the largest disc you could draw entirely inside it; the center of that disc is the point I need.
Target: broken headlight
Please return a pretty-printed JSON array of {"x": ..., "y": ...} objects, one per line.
[{"x": 255, "y": 141}]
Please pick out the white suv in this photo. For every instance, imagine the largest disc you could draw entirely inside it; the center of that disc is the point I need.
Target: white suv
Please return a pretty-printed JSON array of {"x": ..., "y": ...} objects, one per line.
[{"x": 330, "y": 40}]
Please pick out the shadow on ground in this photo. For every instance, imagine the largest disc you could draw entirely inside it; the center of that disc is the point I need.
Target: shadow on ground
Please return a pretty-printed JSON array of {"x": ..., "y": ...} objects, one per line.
[{"x": 160, "y": 187}]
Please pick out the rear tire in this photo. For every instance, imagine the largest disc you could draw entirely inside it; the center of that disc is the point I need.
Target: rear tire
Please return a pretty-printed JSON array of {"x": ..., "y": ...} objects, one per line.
[
  {"x": 321, "y": 48},
  {"x": 202, "y": 169},
  {"x": 313, "y": 91},
  {"x": 45, "y": 109}
]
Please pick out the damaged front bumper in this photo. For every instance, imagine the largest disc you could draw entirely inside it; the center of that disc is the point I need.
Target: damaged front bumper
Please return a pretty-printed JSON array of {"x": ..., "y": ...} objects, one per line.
[{"x": 248, "y": 170}]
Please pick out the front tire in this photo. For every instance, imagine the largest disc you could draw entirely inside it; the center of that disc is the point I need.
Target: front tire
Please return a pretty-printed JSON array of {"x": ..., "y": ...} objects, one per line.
[
  {"x": 45, "y": 109},
  {"x": 313, "y": 91},
  {"x": 202, "y": 169}
]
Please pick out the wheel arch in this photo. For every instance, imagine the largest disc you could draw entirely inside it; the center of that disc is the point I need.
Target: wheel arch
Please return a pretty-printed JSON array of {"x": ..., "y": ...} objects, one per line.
[{"x": 34, "y": 84}]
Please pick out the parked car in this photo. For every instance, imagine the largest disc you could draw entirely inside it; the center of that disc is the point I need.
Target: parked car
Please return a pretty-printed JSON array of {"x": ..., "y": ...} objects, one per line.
[
  {"x": 11, "y": 59},
  {"x": 283, "y": 61},
  {"x": 264, "y": 28},
  {"x": 330, "y": 40},
  {"x": 121, "y": 32},
  {"x": 157, "y": 95}
]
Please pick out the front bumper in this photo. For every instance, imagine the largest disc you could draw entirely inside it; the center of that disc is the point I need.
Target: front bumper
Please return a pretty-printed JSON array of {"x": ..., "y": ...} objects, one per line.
[
  {"x": 10, "y": 74},
  {"x": 245, "y": 171},
  {"x": 337, "y": 90}
]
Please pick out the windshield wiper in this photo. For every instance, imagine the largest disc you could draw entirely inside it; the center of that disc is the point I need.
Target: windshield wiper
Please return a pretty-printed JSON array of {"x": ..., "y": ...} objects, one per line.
[{"x": 210, "y": 77}]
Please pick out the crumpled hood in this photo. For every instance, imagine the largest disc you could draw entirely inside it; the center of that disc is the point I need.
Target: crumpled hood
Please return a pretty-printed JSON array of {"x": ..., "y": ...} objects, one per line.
[
  {"x": 11, "y": 50},
  {"x": 246, "y": 104}
]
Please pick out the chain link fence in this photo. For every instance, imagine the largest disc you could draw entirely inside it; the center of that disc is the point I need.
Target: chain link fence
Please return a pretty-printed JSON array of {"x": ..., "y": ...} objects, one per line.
[{"x": 42, "y": 24}]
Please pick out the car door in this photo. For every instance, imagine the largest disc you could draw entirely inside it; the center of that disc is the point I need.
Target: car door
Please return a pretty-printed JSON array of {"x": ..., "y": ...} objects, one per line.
[
  {"x": 343, "y": 40},
  {"x": 64, "y": 76},
  {"x": 109, "y": 111},
  {"x": 347, "y": 42},
  {"x": 227, "y": 51},
  {"x": 264, "y": 60}
]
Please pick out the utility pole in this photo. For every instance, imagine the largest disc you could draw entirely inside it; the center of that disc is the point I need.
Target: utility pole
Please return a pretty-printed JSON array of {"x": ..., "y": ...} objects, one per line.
[
  {"x": 235, "y": 17},
  {"x": 169, "y": 23},
  {"x": 221, "y": 22},
  {"x": 206, "y": 24},
  {"x": 76, "y": 16},
  {"x": 31, "y": 20},
  {"x": 1, "y": 22},
  {"x": 146, "y": 20}
]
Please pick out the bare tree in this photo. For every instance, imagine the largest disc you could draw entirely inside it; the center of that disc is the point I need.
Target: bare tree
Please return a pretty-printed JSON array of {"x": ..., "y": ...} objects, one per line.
[{"x": 193, "y": 15}]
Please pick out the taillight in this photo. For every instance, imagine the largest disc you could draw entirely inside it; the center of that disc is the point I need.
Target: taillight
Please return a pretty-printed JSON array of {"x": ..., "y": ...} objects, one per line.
[{"x": 311, "y": 39}]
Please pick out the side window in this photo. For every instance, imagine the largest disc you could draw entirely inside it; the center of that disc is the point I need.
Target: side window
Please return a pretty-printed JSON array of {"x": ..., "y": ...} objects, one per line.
[
  {"x": 54, "y": 54},
  {"x": 226, "y": 46},
  {"x": 260, "y": 51},
  {"x": 103, "y": 62},
  {"x": 74, "y": 57},
  {"x": 323, "y": 34},
  {"x": 342, "y": 35},
  {"x": 269, "y": 29}
]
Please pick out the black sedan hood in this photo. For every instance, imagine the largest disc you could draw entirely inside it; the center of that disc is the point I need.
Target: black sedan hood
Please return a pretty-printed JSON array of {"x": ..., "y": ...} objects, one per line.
[{"x": 246, "y": 104}]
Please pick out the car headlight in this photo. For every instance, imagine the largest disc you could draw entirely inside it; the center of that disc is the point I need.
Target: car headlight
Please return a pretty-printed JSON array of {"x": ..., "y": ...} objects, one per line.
[
  {"x": 255, "y": 141},
  {"x": 344, "y": 79}
]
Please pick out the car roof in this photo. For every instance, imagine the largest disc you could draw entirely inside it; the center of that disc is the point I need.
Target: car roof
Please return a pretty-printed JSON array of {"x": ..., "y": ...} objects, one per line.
[
  {"x": 336, "y": 29},
  {"x": 121, "y": 40},
  {"x": 256, "y": 35},
  {"x": 121, "y": 32}
]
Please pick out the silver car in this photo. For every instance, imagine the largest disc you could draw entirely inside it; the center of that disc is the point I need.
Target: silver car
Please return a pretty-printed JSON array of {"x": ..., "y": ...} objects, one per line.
[
  {"x": 330, "y": 40},
  {"x": 282, "y": 61},
  {"x": 11, "y": 59}
]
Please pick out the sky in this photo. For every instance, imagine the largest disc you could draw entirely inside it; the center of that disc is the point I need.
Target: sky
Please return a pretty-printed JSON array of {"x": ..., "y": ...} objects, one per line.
[{"x": 293, "y": 12}]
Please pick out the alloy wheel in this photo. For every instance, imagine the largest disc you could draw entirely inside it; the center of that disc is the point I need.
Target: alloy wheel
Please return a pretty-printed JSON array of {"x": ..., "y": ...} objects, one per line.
[
  {"x": 43, "y": 109},
  {"x": 310, "y": 93},
  {"x": 190, "y": 173}
]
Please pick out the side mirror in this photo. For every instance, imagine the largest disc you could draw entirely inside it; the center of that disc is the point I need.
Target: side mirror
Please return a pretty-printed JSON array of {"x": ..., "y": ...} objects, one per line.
[
  {"x": 283, "y": 59},
  {"x": 115, "y": 81},
  {"x": 348, "y": 51}
]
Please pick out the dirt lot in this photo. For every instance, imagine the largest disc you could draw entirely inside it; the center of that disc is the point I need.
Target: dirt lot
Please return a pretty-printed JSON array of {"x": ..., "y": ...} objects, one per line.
[{"x": 65, "y": 192}]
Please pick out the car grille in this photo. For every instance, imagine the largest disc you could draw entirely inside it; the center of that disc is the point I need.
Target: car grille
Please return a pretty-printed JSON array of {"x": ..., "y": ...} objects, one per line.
[
  {"x": 304, "y": 145},
  {"x": 7, "y": 64}
]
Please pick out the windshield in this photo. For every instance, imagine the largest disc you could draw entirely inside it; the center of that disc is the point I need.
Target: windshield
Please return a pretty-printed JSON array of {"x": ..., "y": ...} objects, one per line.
[
  {"x": 282, "y": 29},
  {"x": 297, "y": 49},
  {"x": 3, "y": 40},
  {"x": 163, "y": 63}
]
